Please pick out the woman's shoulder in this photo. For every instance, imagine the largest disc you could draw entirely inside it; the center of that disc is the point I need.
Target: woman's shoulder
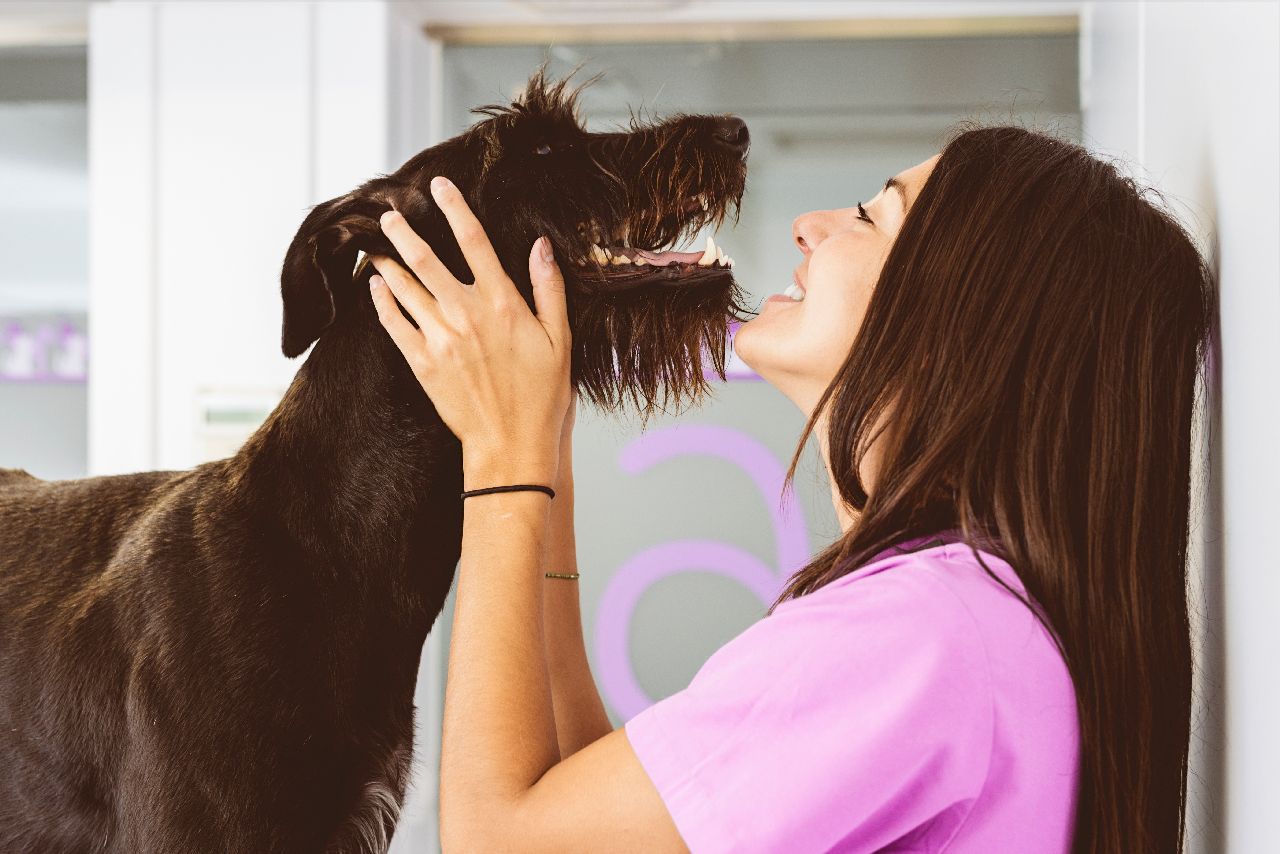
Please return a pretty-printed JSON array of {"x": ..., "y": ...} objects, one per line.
[
  {"x": 930, "y": 584},
  {"x": 925, "y": 579},
  {"x": 963, "y": 601},
  {"x": 923, "y": 611},
  {"x": 853, "y": 715},
  {"x": 868, "y": 700}
]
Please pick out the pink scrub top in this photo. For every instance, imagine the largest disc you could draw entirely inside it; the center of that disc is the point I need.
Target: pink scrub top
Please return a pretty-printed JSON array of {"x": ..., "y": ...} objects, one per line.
[{"x": 911, "y": 705}]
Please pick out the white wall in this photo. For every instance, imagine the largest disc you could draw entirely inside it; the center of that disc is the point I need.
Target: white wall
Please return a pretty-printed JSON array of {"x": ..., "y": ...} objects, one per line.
[{"x": 1190, "y": 94}]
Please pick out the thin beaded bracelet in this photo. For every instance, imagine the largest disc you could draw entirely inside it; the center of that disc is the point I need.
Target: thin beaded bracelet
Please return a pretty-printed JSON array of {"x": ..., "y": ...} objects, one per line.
[{"x": 572, "y": 576}]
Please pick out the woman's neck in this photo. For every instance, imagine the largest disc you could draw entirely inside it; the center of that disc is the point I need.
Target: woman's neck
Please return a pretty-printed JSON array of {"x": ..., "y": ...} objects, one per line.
[{"x": 847, "y": 516}]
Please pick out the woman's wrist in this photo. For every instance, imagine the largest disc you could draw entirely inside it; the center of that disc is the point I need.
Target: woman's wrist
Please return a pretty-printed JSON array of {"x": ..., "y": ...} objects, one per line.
[{"x": 493, "y": 467}]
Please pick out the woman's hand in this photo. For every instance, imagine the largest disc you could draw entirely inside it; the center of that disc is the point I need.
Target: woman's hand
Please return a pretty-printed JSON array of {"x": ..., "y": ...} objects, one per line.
[{"x": 497, "y": 374}]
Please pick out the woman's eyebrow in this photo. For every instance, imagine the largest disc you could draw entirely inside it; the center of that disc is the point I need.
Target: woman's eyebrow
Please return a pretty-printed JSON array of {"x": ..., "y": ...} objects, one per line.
[{"x": 895, "y": 184}]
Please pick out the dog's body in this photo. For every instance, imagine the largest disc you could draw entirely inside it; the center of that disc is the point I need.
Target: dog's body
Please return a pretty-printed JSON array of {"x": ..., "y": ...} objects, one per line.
[
  {"x": 224, "y": 659},
  {"x": 253, "y": 625}
]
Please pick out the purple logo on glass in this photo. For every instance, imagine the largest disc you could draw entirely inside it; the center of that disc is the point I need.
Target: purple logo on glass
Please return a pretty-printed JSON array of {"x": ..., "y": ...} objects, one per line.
[{"x": 619, "y": 685}]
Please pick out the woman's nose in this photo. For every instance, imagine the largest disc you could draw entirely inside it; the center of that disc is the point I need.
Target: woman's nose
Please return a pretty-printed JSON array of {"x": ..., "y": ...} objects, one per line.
[{"x": 810, "y": 229}]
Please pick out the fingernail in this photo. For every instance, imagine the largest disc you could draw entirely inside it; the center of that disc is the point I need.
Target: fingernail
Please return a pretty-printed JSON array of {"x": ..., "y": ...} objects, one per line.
[
  {"x": 545, "y": 249},
  {"x": 439, "y": 184},
  {"x": 386, "y": 217},
  {"x": 375, "y": 282}
]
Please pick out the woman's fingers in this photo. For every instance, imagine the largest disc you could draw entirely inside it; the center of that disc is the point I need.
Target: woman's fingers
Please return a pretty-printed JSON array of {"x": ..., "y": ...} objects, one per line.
[
  {"x": 548, "y": 293},
  {"x": 419, "y": 256},
  {"x": 467, "y": 230},
  {"x": 417, "y": 300},
  {"x": 402, "y": 332}
]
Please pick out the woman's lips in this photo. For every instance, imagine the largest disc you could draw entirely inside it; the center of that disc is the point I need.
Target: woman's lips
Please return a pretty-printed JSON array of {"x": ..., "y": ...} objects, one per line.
[{"x": 793, "y": 290}]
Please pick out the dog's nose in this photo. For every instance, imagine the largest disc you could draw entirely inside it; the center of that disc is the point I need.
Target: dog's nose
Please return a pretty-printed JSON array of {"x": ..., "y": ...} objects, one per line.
[{"x": 732, "y": 133}]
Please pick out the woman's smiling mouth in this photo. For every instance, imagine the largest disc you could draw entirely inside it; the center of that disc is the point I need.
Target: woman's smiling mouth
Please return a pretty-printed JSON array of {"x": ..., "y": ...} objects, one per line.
[{"x": 794, "y": 293}]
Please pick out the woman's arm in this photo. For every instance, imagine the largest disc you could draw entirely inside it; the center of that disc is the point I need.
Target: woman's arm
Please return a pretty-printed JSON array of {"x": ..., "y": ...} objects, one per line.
[
  {"x": 579, "y": 712},
  {"x": 499, "y": 377},
  {"x": 502, "y": 786}
]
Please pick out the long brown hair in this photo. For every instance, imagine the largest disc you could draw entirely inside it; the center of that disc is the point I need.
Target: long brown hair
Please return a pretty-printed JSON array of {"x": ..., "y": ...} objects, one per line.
[{"x": 1033, "y": 344}]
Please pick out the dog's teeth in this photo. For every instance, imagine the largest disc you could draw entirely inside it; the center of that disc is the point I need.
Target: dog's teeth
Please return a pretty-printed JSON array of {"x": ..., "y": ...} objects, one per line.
[
  {"x": 619, "y": 259},
  {"x": 728, "y": 262},
  {"x": 639, "y": 262},
  {"x": 599, "y": 255},
  {"x": 709, "y": 256}
]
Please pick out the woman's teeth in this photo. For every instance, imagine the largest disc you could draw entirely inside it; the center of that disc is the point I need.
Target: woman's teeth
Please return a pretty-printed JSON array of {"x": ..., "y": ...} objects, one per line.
[{"x": 795, "y": 292}]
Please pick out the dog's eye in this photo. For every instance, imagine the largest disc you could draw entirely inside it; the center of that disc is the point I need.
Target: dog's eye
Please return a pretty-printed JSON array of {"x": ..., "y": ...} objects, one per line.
[{"x": 543, "y": 149}]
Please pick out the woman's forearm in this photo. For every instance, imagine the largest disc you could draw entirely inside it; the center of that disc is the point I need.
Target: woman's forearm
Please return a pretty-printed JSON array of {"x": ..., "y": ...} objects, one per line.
[
  {"x": 499, "y": 733},
  {"x": 579, "y": 711}
]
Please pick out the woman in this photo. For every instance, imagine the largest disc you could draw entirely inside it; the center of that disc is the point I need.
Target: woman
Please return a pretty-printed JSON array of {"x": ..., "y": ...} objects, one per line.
[{"x": 998, "y": 355}]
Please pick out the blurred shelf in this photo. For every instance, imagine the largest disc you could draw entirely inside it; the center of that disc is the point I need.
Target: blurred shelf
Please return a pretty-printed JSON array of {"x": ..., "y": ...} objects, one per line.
[
  {"x": 43, "y": 298},
  {"x": 43, "y": 381}
]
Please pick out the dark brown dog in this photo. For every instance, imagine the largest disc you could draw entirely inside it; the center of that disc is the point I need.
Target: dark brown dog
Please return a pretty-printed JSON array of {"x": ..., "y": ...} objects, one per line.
[{"x": 223, "y": 659}]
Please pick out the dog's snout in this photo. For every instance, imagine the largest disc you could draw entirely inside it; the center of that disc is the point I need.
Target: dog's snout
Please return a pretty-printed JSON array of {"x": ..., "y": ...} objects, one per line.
[{"x": 732, "y": 133}]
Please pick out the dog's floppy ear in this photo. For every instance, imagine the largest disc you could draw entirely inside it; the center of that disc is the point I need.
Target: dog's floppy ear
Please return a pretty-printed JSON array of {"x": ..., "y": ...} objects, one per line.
[{"x": 315, "y": 281}]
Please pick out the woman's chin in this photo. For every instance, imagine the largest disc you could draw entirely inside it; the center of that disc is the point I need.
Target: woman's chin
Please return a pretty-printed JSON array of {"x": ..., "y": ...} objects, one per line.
[
  {"x": 756, "y": 332},
  {"x": 776, "y": 352},
  {"x": 745, "y": 334},
  {"x": 751, "y": 345}
]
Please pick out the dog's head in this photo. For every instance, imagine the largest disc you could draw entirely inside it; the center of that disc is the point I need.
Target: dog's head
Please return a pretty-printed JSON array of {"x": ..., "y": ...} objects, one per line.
[{"x": 614, "y": 206}]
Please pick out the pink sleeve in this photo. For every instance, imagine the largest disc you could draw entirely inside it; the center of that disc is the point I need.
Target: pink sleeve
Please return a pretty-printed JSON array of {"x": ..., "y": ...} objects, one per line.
[{"x": 848, "y": 719}]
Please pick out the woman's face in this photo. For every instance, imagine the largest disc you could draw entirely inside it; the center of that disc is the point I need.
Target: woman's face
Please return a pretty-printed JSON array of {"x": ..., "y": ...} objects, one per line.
[{"x": 799, "y": 346}]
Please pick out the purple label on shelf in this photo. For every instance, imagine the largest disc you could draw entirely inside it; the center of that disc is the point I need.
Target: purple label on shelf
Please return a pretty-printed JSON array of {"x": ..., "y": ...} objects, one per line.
[{"x": 43, "y": 350}]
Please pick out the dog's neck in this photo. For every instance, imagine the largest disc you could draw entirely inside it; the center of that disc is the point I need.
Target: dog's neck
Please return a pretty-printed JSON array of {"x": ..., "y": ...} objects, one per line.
[{"x": 355, "y": 459}]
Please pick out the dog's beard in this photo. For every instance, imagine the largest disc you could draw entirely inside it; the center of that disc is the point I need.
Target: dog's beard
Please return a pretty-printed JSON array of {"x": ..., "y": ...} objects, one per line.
[
  {"x": 653, "y": 319},
  {"x": 644, "y": 350}
]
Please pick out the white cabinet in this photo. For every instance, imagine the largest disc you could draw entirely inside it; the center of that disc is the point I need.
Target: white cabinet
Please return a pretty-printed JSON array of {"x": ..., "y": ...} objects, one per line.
[{"x": 213, "y": 128}]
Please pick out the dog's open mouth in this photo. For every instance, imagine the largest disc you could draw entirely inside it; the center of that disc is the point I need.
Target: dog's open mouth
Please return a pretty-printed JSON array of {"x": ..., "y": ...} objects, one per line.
[
  {"x": 711, "y": 256},
  {"x": 642, "y": 250},
  {"x": 653, "y": 310}
]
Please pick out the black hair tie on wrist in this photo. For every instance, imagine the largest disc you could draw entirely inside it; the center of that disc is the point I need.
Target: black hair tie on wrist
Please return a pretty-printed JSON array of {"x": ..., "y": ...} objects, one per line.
[{"x": 513, "y": 488}]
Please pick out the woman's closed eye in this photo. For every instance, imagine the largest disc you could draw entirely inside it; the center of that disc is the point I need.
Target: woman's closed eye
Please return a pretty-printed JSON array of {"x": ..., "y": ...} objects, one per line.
[{"x": 862, "y": 214}]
